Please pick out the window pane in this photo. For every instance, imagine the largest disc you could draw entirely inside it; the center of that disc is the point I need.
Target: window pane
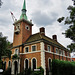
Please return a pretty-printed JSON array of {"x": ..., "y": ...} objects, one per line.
[
  {"x": 33, "y": 48},
  {"x": 26, "y": 64},
  {"x": 16, "y": 51},
  {"x": 26, "y": 49},
  {"x": 48, "y": 48},
  {"x": 49, "y": 65},
  {"x": 34, "y": 63},
  {"x": 9, "y": 63},
  {"x": 57, "y": 51}
]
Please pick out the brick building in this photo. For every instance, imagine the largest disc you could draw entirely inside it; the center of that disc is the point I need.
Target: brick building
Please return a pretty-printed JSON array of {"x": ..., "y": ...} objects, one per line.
[{"x": 34, "y": 50}]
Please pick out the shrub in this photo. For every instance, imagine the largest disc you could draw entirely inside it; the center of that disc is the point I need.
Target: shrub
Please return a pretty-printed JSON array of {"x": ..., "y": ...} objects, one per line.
[
  {"x": 7, "y": 72},
  {"x": 63, "y": 67}
]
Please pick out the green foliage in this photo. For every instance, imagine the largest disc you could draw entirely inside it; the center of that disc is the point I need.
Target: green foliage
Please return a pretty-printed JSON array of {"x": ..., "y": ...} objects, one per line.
[
  {"x": 15, "y": 56},
  {"x": 1, "y": 64},
  {"x": 4, "y": 43},
  {"x": 30, "y": 72},
  {"x": 7, "y": 72},
  {"x": 63, "y": 67},
  {"x": 41, "y": 72},
  {"x": 70, "y": 32}
]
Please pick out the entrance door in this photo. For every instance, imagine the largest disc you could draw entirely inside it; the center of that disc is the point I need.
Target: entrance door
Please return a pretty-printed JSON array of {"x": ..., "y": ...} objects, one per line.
[{"x": 15, "y": 67}]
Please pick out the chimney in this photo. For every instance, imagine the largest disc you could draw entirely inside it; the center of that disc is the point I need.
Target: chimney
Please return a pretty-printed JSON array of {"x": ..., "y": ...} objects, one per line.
[
  {"x": 42, "y": 30},
  {"x": 54, "y": 37}
]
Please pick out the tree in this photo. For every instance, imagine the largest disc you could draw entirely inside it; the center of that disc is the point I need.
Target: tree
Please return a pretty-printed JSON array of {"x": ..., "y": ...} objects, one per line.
[
  {"x": 70, "y": 32},
  {"x": 4, "y": 43},
  {"x": 1, "y": 3}
]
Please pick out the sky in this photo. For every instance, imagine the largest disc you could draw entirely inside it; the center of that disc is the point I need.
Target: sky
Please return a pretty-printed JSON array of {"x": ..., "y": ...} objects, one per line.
[{"x": 44, "y": 13}]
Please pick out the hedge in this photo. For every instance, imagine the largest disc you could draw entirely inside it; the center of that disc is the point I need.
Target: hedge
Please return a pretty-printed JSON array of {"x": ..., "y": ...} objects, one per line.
[{"x": 63, "y": 67}]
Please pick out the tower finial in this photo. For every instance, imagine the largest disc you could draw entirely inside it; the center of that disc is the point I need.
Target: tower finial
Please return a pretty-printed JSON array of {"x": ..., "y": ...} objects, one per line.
[{"x": 23, "y": 15}]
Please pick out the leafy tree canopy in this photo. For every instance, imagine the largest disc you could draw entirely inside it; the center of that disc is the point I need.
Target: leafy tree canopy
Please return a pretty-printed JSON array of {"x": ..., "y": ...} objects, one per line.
[
  {"x": 70, "y": 32},
  {"x": 4, "y": 43}
]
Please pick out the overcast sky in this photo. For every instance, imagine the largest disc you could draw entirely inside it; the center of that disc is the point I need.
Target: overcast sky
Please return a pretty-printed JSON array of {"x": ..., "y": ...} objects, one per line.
[{"x": 44, "y": 13}]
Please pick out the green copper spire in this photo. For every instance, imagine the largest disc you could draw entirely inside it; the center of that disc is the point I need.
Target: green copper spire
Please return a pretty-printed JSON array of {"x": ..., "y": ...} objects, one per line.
[
  {"x": 24, "y": 5},
  {"x": 23, "y": 15}
]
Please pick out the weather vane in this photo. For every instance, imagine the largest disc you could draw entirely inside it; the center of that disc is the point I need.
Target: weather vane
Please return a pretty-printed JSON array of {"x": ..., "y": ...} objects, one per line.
[{"x": 1, "y": 3}]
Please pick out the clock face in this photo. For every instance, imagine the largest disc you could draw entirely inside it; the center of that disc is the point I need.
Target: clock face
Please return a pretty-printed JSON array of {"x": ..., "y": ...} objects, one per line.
[{"x": 27, "y": 27}]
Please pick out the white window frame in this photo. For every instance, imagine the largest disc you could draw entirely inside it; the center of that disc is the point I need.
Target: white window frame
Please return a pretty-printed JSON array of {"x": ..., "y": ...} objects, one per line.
[
  {"x": 32, "y": 63},
  {"x": 63, "y": 53},
  {"x": 36, "y": 48},
  {"x": 25, "y": 63},
  {"x": 25, "y": 49},
  {"x": 57, "y": 49},
  {"x": 47, "y": 48},
  {"x": 17, "y": 51}
]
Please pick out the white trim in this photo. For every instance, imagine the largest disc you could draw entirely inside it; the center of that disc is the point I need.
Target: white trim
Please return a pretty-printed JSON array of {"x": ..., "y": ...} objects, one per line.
[
  {"x": 25, "y": 49},
  {"x": 32, "y": 63},
  {"x": 33, "y": 45},
  {"x": 43, "y": 57},
  {"x": 31, "y": 52},
  {"x": 25, "y": 63}
]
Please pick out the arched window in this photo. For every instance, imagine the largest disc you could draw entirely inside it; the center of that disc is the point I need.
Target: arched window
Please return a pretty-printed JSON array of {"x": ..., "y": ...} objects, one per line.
[
  {"x": 26, "y": 64},
  {"x": 34, "y": 63},
  {"x": 9, "y": 64},
  {"x": 49, "y": 64},
  {"x": 4, "y": 65}
]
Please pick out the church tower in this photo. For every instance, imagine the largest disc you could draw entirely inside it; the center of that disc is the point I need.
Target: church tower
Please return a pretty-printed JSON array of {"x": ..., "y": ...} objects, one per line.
[{"x": 22, "y": 28}]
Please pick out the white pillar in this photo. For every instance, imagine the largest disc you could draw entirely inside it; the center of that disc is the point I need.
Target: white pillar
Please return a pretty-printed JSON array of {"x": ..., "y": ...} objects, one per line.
[{"x": 43, "y": 57}]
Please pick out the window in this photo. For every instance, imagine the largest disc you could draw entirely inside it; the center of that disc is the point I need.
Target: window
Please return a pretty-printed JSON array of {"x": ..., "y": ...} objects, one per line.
[
  {"x": 26, "y": 64},
  {"x": 9, "y": 64},
  {"x": 16, "y": 51},
  {"x": 49, "y": 48},
  {"x": 34, "y": 63},
  {"x": 27, "y": 49},
  {"x": 60, "y": 52},
  {"x": 68, "y": 53},
  {"x": 64, "y": 53},
  {"x": 57, "y": 50},
  {"x": 33, "y": 48},
  {"x": 49, "y": 63},
  {"x": 4, "y": 66}
]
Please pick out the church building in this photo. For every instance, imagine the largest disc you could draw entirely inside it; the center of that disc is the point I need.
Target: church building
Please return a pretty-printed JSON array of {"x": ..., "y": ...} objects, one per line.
[{"x": 34, "y": 50}]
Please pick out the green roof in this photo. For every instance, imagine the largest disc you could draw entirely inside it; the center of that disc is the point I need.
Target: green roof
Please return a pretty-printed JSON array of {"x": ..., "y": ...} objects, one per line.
[
  {"x": 23, "y": 15},
  {"x": 39, "y": 37},
  {"x": 24, "y": 5}
]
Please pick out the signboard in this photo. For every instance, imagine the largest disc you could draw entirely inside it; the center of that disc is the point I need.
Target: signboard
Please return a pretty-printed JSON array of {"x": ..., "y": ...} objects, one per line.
[{"x": 1, "y": 70}]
